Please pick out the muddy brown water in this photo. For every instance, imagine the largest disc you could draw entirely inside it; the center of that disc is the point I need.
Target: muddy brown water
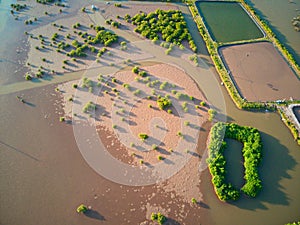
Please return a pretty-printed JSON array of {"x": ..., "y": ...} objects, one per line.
[{"x": 44, "y": 177}]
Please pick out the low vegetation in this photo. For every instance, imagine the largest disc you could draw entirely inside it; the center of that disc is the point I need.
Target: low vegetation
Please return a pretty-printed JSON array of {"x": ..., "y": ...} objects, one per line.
[
  {"x": 211, "y": 113},
  {"x": 89, "y": 107},
  {"x": 250, "y": 137},
  {"x": 163, "y": 103},
  {"x": 104, "y": 37},
  {"x": 81, "y": 208},
  {"x": 294, "y": 223},
  {"x": 143, "y": 136},
  {"x": 158, "y": 217}
]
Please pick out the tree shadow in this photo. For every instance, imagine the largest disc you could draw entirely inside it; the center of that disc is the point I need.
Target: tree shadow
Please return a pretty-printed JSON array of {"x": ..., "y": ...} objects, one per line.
[
  {"x": 274, "y": 167},
  {"x": 94, "y": 215},
  {"x": 19, "y": 151},
  {"x": 203, "y": 205},
  {"x": 170, "y": 221}
]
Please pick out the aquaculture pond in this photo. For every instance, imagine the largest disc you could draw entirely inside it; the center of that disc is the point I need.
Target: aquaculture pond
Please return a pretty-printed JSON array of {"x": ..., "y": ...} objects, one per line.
[
  {"x": 228, "y": 21},
  {"x": 296, "y": 110}
]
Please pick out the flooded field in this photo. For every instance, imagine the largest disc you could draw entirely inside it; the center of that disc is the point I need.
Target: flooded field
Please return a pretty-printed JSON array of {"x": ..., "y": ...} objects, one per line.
[
  {"x": 228, "y": 21},
  {"x": 44, "y": 177},
  {"x": 260, "y": 72}
]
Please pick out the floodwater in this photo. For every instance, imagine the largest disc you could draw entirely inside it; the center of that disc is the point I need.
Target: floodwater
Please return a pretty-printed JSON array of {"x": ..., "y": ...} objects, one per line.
[
  {"x": 44, "y": 177},
  {"x": 279, "y": 14},
  {"x": 227, "y": 21},
  {"x": 296, "y": 110}
]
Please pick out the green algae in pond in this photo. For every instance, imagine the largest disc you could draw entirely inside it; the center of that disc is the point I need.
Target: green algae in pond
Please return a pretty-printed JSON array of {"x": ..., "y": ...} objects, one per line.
[{"x": 228, "y": 21}]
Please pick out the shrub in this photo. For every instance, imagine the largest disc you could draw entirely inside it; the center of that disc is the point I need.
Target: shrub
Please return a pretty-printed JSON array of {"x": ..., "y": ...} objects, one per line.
[
  {"x": 203, "y": 103},
  {"x": 137, "y": 92},
  {"x": 89, "y": 107},
  {"x": 61, "y": 119},
  {"x": 159, "y": 157},
  {"x": 194, "y": 201},
  {"x": 28, "y": 76},
  {"x": 163, "y": 103},
  {"x": 82, "y": 208},
  {"x": 154, "y": 147},
  {"x": 179, "y": 133},
  {"x": 143, "y": 136},
  {"x": 142, "y": 73},
  {"x": 135, "y": 69},
  {"x": 212, "y": 113},
  {"x": 160, "y": 218}
]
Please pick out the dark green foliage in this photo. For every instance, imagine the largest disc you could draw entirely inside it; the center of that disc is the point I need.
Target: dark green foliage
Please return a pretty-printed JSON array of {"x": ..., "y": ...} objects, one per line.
[
  {"x": 45, "y": 1},
  {"x": 113, "y": 23},
  {"x": 104, "y": 37},
  {"x": 143, "y": 73},
  {"x": 143, "y": 136},
  {"x": 81, "y": 209},
  {"x": 89, "y": 107},
  {"x": 294, "y": 223},
  {"x": 160, "y": 218},
  {"x": 163, "y": 103},
  {"x": 28, "y": 76},
  {"x": 250, "y": 137},
  {"x": 212, "y": 113},
  {"x": 18, "y": 7},
  {"x": 63, "y": 45},
  {"x": 169, "y": 25},
  {"x": 135, "y": 69}
]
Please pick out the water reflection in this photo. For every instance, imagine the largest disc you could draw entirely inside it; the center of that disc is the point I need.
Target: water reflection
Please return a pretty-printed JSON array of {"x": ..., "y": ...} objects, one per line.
[{"x": 274, "y": 167}]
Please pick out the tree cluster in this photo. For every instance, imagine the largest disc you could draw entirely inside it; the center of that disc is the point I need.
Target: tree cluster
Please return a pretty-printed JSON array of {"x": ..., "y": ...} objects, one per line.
[
  {"x": 163, "y": 103},
  {"x": 251, "y": 139},
  {"x": 160, "y": 218},
  {"x": 18, "y": 7},
  {"x": 169, "y": 25},
  {"x": 103, "y": 36}
]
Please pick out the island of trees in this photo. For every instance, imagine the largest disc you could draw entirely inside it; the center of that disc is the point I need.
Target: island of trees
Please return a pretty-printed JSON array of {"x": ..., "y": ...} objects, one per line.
[
  {"x": 169, "y": 26},
  {"x": 252, "y": 149}
]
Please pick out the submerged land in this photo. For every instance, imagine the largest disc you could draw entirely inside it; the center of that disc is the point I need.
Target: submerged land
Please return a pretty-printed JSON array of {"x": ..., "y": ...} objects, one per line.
[{"x": 133, "y": 102}]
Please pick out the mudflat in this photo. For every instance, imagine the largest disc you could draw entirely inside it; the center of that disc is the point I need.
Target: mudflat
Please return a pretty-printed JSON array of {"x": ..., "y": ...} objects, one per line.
[{"x": 260, "y": 72}]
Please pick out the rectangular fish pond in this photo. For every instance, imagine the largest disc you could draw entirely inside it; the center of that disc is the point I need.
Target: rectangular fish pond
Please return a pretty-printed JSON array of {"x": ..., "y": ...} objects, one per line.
[{"x": 228, "y": 21}]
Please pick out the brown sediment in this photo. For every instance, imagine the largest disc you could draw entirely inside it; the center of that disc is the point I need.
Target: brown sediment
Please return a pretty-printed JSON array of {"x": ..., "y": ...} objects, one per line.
[
  {"x": 260, "y": 72},
  {"x": 140, "y": 114},
  {"x": 113, "y": 145},
  {"x": 185, "y": 184}
]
